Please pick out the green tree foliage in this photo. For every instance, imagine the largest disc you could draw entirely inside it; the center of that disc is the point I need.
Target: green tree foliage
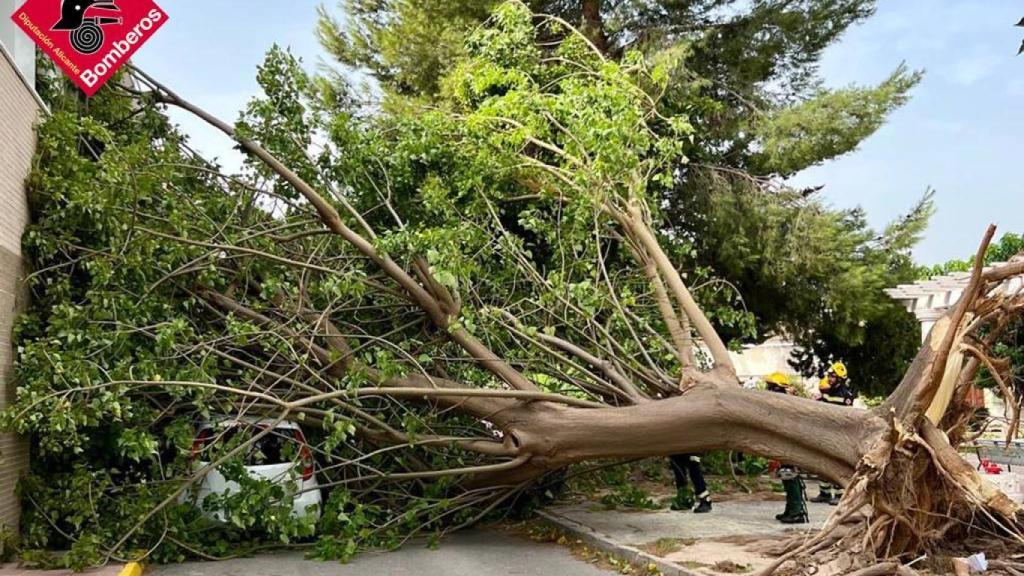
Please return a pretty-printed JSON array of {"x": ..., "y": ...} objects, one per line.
[
  {"x": 745, "y": 74},
  {"x": 828, "y": 125},
  {"x": 505, "y": 237},
  {"x": 816, "y": 274},
  {"x": 105, "y": 308},
  {"x": 408, "y": 44},
  {"x": 1008, "y": 246},
  {"x": 166, "y": 293}
]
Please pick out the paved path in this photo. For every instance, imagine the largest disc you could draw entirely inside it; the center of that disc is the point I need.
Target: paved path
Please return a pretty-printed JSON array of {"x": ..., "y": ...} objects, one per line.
[
  {"x": 726, "y": 519},
  {"x": 695, "y": 542},
  {"x": 729, "y": 518},
  {"x": 700, "y": 540},
  {"x": 468, "y": 553}
]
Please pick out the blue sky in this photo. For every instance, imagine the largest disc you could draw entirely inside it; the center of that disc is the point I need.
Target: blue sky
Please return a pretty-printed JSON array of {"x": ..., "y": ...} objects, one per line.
[{"x": 961, "y": 133}]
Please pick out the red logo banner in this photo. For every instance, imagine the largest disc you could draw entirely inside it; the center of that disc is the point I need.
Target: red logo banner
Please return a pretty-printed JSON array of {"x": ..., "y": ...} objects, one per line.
[{"x": 90, "y": 39}]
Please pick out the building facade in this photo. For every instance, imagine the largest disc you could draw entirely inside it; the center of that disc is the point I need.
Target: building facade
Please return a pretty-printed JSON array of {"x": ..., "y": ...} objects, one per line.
[{"x": 19, "y": 110}]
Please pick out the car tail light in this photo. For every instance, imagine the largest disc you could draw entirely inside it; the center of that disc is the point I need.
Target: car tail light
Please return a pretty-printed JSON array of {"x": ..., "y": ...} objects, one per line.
[
  {"x": 305, "y": 454},
  {"x": 199, "y": 442}
]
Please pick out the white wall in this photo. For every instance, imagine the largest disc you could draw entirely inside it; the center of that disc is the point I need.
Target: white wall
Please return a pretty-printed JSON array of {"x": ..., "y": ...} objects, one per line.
[
  {"x": 16, "y": 43},
  {"x": 755, "y": 362}
]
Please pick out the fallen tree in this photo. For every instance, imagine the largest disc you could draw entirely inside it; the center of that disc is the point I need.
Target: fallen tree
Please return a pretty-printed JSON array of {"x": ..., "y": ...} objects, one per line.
[{"x": 458, "y": 299}]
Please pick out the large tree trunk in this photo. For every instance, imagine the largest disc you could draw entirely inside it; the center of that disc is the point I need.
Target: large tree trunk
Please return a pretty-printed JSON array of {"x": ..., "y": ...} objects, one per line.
[{"x": 821, "y": 438}]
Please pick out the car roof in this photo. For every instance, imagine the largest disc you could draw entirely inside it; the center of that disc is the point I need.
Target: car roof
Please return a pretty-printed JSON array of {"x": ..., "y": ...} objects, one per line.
[{"x": 226, "y": 421}]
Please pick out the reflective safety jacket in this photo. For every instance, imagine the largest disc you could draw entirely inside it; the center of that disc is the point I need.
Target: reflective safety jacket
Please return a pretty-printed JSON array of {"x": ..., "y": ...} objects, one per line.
[{"x": 840, "y": 394}]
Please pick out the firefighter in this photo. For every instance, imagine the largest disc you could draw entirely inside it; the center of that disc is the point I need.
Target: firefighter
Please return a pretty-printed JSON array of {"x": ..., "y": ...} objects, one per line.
[
  {"x": 683, "y": 464},
  {"x": 796, "y": 509},
  {"x": 834, "y": 388}
]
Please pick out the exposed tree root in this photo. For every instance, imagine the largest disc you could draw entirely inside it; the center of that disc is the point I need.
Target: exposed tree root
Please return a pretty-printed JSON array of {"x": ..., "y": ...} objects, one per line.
[
  {"x": 914, "y": 495},
  {"x": 923, "y": 500}
]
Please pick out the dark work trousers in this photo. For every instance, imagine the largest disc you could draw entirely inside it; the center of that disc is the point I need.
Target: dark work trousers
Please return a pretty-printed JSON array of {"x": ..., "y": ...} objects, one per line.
[{"x": 689, "y": 463}]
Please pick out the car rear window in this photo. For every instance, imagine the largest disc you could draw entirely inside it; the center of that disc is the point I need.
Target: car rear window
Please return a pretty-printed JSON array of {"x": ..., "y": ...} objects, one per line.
[{"x": 278, "y": 447}]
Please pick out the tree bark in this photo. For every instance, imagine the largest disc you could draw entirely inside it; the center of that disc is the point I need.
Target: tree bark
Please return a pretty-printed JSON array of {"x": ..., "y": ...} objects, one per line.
[
  {"x": 593, "y": 24},
  {"x": 821, "y": 438},
  {"x": 636, "y": 226}
]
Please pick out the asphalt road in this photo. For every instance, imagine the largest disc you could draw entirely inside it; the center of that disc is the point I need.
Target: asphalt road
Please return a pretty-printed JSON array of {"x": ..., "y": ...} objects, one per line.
[{"x": 467, "y": 553}]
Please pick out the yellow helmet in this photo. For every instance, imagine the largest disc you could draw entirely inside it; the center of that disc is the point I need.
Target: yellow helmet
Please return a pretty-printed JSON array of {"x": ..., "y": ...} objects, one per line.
[
  {"x": 839, "y": 369},
  {"x": 777, "y": 378}
]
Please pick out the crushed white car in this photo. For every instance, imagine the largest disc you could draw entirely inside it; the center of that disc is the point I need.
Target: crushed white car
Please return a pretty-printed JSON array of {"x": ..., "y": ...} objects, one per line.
[{"x": 281, "y": 456}]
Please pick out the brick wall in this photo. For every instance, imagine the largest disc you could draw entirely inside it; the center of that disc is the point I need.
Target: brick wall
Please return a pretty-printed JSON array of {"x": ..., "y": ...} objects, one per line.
[{"x": 18, "y": 114}]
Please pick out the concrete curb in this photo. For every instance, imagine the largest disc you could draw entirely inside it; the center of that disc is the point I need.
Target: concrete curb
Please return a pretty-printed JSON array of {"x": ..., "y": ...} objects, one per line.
[{"x": 605, "y": 543}]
